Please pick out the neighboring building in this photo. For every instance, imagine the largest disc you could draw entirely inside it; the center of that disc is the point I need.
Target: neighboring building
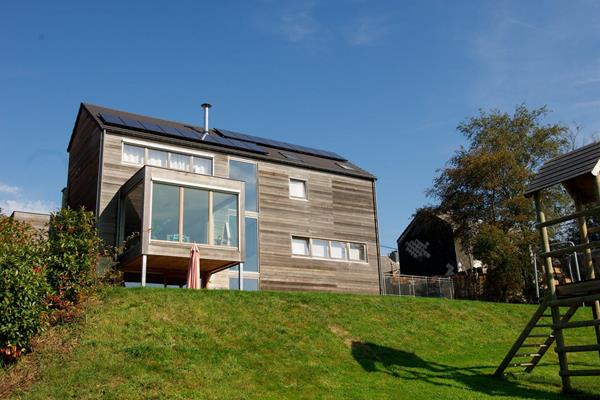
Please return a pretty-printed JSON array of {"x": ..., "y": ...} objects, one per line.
[
  {"x": 294, "y": 218},
  {"x": 37, "y": 220},
  {"x": 389, "y": 265},
  {"x": 427, "y": 247}
]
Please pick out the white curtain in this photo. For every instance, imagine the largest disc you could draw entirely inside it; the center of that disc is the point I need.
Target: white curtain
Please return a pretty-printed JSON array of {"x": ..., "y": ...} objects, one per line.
[
  {"x": 202, "y": 165},
  {"x": 297, "y": 188},
  {"x": 180, "y": 161},
  {"x": 300, "y": 246},
  {"x": 320, "y": 248},
  {"x": 338, "y": 250},
  {"x": 157, "y": 158},
  {"x": 133, "y": 154}
]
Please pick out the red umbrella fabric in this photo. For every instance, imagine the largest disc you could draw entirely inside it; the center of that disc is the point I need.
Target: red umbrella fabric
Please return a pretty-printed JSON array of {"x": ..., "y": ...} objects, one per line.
[{"x": 193, "y": 277}]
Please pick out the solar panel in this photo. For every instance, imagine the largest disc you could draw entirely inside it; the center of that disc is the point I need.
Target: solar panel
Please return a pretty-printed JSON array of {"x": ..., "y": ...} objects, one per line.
[
  {"x": 188, "y": 133},
  {"x": 152, "y": 127},
  {"x": 132, "y": 123},
  {"x": 280, "y": 145},
  {"x": 170, "y": 130},
  {"x": 234, "y": 144},
  {"x": 290, "y": 156},
  {"x": 111, "y": 119}
]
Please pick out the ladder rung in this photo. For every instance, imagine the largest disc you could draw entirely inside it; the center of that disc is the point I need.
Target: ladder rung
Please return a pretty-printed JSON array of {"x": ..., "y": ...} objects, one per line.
[
  {"x": 534, "y": 345},
  {"x": 544, "y": 325},
  {"x": 573, "y": 349},
  {"x": 581, "y": 372},
  {"x": 523, "y": 364},
  {"x": 527, "y": 355},
  {"x": 541, "y": 335}
]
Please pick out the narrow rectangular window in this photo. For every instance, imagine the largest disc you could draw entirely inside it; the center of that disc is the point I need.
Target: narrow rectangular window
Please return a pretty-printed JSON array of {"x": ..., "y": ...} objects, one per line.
[
  {"x": 357, "y": 252},
  {"x": 245, "y": 172},
  {"x": 157, "y": 158},
  {"x": 179, "y": 161},
  {"x": 225, "y": 219},
  {"x": 133, "y": 154},
  {"x": 251, "y": 263},
  {"x": 338, "y": 250},
  {"x": 165, "y": 212},
  {"x": 320, "y": 248},
  {"x": 297, "y": 189},
  {"x": 202, "y": 165},
  {"x": 195, "y": 216},
  {"x": 300, "y": 246}
]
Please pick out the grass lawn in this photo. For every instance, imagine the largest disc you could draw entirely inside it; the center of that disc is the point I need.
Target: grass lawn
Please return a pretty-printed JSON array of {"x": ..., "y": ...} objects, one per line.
[{"x": 179, "y": 344}]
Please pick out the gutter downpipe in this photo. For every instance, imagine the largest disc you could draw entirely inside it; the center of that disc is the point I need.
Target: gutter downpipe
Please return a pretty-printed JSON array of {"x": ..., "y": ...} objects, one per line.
[{"x": 377, "y": 238}]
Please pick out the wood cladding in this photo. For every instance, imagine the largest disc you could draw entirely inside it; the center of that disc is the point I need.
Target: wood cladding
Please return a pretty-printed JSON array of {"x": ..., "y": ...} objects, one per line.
[{"x": 337, "y": 208}]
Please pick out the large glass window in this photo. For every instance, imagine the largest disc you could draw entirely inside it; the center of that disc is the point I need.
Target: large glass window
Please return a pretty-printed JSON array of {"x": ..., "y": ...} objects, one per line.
[
  {"x": 195, "y": 216},
  {"x": 158, "y": 158},
  {"x": 179, "y": 161},
  {"x": 225, "y": 217},
  {"x": 132, "y": 215},
  {"x": 165, "y": 212},
  {"x": 246, "y": 172},
  {"x": 201, "y": 165},
  {"x": 133, "y": 154},
  {"x": 251, "y": 263}
]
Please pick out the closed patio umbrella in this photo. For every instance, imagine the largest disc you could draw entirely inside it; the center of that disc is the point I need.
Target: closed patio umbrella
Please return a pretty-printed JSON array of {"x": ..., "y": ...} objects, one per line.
[{"x": 193, "y": 277}]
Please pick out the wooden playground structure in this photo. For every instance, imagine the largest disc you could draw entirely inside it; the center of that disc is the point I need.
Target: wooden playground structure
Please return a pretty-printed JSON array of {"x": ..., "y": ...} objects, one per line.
[{"x": 578, "y": 172}]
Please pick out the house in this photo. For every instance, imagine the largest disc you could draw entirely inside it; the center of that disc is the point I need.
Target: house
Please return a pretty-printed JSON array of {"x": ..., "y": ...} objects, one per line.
[
  {"x": 428, "y": 247},
  {"x": 38, "y": 221},
  {"x": 265, "y": 214}
]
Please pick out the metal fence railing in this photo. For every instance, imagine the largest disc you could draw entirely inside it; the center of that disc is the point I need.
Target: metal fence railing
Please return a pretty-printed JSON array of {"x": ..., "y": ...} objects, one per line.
[{"x": 413, "y": 285}]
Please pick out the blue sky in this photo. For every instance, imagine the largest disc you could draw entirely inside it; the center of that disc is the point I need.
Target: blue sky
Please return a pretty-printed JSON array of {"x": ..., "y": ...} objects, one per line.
[{"x": 382, "y": 83}]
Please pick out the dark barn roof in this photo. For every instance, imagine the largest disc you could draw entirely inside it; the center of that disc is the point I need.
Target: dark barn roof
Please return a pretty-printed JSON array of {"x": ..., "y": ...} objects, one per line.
[
  {"x": 575, "y": 168},
  {"x": 221, "y": 140}
]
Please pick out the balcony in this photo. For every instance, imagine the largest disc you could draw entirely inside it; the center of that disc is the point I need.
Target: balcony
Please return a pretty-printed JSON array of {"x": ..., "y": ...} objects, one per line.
[{"x": 162, "y": 212}]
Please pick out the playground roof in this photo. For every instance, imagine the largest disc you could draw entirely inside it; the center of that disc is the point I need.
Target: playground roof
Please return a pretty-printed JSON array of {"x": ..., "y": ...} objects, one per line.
[{"x": 574, "y": 169}]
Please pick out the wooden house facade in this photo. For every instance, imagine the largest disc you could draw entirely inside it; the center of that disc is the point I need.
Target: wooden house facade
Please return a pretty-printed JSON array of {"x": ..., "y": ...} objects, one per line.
[{"x": 265, "y": 214}]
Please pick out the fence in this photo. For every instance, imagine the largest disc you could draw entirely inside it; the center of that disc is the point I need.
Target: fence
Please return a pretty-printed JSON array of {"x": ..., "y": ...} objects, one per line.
[{"x": 412, "y": 285}]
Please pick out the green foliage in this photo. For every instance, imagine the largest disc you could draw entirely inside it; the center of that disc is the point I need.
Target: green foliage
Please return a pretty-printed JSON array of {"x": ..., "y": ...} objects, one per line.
[
  {"x": 483, "y": 186},
  {"x": 22, "y": 286},
  {"x": 73, "y": 247}
]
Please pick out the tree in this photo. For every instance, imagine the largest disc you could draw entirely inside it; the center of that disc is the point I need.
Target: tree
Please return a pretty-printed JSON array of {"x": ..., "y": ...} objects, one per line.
[{"x": 482, "y": 189}]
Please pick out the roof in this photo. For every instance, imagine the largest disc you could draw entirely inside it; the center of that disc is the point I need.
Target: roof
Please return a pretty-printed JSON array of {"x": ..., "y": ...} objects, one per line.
[
  {"x": 220, "y": 140},
  {"x": 567, "y": 167}
]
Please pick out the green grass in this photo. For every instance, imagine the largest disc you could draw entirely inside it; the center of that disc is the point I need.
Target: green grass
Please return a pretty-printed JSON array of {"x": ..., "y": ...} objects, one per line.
[{"x": 179, "y": 344}]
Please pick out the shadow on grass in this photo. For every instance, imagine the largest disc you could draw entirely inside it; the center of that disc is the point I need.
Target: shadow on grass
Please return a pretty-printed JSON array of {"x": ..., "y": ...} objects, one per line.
[{"x": 409, "y": 366}]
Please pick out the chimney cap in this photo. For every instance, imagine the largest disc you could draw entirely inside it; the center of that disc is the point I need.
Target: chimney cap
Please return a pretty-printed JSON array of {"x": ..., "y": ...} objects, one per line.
[{"x": 206, "y": 105}]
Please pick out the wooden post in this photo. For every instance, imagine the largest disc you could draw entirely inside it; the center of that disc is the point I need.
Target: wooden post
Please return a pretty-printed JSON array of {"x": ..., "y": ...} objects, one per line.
[
  {"x": 144, "y": 260},
  {"x": 560, "y": 339},
  {"x": 589, "y": 267}
]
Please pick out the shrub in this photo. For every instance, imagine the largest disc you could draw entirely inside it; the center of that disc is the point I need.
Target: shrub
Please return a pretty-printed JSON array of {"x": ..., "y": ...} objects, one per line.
[
  {"x": 72, "y": 252},
  {"x": 22, "y": 286}
]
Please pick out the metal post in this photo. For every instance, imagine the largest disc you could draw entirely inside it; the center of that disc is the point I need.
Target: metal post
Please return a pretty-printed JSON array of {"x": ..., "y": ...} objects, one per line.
[{"x": 144, "y": 261}]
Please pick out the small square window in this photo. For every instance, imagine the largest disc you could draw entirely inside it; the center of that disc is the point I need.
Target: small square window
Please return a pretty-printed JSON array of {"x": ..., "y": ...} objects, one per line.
[
  {"x": 297, "y": 189},
  {"x": 300, "y": 246},
  {"x": 357, "y": 252},
  {"x": 133, "y": 154}
]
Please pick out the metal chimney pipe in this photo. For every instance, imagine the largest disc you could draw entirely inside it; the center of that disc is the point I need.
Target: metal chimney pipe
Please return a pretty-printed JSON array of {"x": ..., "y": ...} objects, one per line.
[{"x": 205, "y": 106}]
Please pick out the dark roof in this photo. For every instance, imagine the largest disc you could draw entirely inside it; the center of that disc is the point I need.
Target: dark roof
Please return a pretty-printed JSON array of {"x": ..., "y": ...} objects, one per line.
[
  {"x": 273, "y": 153},
  {"x": 565, "y": 167}
]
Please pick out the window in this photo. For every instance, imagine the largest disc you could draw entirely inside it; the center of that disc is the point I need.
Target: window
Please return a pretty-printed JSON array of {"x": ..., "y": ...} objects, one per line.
[
  {"x": 300, "y": 246},
  {"x": 250, "y": 284},
  {"x": 157, "y": 158},
  {"x": 165, "y": 212},
  {"x": 320, "y": 248},
  {"x": 246, "y": 172},
  {"x": 338, "y": 250},
  {"x": 357, "y": 252},
  {"x": 202, "y": 165},
  {"x": 251, "y": 263},
  {"x": 297, "y": 189},
  {"x": 179, "y": 161},
  {"x": 225, "y": 226},
  {"x": 133, "y": 154},
  {"x": 195, "y": 216},
  {"x": 132, "y": 215}
]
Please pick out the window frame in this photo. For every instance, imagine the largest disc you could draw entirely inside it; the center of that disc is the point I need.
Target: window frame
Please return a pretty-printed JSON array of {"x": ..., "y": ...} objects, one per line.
[
  {"x": 308, "y": 246},
  {"x": 304, "y": 181},
  {"x": 346, "y": 247}
]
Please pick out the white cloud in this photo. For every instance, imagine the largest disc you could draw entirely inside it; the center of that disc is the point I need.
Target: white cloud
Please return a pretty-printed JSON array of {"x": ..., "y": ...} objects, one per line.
[
  {"x": 367, "y": 30},
  {"x": 37, "y": 206},
  {"x": 298, "y": 24},
  {"x": 9, "y": 189}
]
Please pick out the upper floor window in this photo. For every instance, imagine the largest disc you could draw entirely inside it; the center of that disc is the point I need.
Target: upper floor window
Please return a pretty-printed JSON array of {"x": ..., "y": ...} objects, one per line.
[
  {"x": 246, "y": 172},
  {"x": 158, "y": 157},
  {"x": 329, "y": 249},
  {"x": 297, "y": 189},
  {"x": 133, "y": 154}
]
